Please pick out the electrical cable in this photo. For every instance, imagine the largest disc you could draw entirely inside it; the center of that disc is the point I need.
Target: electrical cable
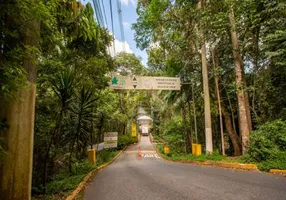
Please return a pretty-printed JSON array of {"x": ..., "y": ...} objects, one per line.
[
  {"x": 121, "y": 24},
  {"x": 112, "y": 25},
  {"x": 104, "y": 14}
]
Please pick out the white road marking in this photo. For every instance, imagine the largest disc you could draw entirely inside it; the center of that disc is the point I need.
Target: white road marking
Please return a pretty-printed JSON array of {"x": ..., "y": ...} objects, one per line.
[
  {"x": 150, "y": 156},
  {"x": 142, "y": 151}
]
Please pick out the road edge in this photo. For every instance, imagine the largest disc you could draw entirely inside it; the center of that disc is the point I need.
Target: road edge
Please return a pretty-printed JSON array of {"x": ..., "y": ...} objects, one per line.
[
  {"x": 82, "y": 184},
  {"x": 278, "y": 171},
  {"x": 241, "y": 166}
]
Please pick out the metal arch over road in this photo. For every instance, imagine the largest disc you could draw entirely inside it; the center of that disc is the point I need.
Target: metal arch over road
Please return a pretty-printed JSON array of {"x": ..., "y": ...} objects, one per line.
[{"x": 152, "y": 178}]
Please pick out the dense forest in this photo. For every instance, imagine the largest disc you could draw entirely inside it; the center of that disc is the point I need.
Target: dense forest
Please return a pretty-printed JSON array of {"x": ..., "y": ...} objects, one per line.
[
  {"x": 55, "y": 65},
  {"x": 230, "y": 56}
]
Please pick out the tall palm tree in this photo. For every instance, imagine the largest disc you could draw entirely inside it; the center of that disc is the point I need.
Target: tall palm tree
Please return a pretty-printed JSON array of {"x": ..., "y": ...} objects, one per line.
[
  {"x": 63, "y": 86},
  {"x": 81, "y": 118},
  {"x": 178, "y": 99}
]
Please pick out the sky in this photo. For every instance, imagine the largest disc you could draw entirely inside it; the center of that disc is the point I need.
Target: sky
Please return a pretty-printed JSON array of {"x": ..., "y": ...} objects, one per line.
[{"x": 129, "y": 16}]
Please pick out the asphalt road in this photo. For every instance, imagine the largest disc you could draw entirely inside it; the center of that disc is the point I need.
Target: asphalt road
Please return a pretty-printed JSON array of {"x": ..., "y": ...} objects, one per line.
[{"x": 150, "y": 177}]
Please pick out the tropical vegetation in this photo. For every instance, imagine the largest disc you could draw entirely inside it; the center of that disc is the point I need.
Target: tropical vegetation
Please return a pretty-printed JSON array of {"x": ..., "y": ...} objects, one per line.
[{"x": 55, "y": 66}]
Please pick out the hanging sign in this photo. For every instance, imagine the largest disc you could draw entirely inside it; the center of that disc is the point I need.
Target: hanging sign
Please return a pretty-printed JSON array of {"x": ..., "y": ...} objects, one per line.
[{"x": 144, "y": 83}]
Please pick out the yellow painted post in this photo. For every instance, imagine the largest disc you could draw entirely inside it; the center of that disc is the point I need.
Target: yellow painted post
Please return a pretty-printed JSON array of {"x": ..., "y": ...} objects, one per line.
[
  {"x": 166, "y": 150},
  {"x": 194, "y": 148},
  {"x": 92, "y": 156},
  {"x": 198, "y": 149},
  {"x": 134, "y": 132}
]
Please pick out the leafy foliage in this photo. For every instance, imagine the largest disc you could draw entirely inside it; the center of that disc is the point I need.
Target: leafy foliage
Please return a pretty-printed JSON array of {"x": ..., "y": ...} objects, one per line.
[
  {"x": 268, "y": 145},
  {"x": 66, "y": 182},
  {"x": 125, "y": 140},
  {"x": 173, "y": 134},
  {"x": 128, "y": 64},
  {"x": 179, "y": 156},
  {"x": 81, "y": 118},
  {"x": 74, "y": 108}
]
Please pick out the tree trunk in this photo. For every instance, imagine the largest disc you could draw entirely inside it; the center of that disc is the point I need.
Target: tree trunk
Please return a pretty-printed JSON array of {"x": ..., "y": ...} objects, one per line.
[
  {"x": 218, "y": 100},
  {"x": 91, "y": 129},
  {"x": 232, "y": 113},
  {"x": 124, "y": 129},
  {"x": 247, "y": 105},
  {"x": 16, "y": 166},
  {"x": 53, "y": 138},
  {"x": 208, "y": 125},
  {"x": 256, "y": 33},
  {"x": 240, "y": 85},
  {"x": 233, "y": 136},
  {"x": 70, "y": 156},
  {"x": 190, "y": 122},
  {"x": 187, "y": 134}
]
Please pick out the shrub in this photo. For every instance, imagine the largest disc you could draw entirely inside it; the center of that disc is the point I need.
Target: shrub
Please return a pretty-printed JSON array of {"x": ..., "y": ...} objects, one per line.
[
  {"x": 157, "y": 138},
  {"x": 67, "y": 184},
  {"x": 174, "y": 134},
  {"x": 267, "y": 145},
  {"x": 82, "y": 167},
  {"x": 274, "y": 163},
  {"x": 124, "y": 140},
  {"x": 104, "y": 156}
]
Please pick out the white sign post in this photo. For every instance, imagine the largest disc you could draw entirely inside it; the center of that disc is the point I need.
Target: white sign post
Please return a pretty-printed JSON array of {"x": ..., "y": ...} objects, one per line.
[
  {"x": 144, "y": 83},
  {"x": 110, "y": 140}
]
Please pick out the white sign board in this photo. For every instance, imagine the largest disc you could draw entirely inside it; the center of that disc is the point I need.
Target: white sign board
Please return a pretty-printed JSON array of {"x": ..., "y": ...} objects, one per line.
[
  {"x": 144, "y": 83},
  {"x": 98, "y": 147},
  {"x": 110, "y": 140}
]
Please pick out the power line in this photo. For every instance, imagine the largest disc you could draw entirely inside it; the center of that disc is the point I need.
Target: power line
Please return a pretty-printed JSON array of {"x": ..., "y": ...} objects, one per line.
[
  {"x": 102, "y": 7},
  {"x": 104, "y": 14},
  {"x": 112, "y": 25},
  {"x": 121, "y": 24},
  {"x": 98, "y": 13}
]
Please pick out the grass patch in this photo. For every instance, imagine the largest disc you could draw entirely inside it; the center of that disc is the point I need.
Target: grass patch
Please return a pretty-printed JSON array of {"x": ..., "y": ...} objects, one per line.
[
  {"x": 65, "y": 185},
  {"x": 216, "y": 157},
  {"x": 157, "y": 138},
  {"x": 105, "y": 156},
  {"x": 64, "y": 182}
]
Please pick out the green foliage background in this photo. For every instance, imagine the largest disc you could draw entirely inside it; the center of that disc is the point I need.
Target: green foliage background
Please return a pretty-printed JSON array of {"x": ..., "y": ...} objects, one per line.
[{"x": 268, "y": 145}]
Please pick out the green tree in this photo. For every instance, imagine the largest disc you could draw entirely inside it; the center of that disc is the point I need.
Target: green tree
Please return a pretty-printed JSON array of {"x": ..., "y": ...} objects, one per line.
[{"x": 128, "y": 64}]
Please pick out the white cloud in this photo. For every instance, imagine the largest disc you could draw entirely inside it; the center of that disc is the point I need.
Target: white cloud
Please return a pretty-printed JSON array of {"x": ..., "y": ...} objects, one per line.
[
  {"x": 127, "y": 2},
  {"x": 126, "y": 25},
  {"x": 119, "y": 47}
]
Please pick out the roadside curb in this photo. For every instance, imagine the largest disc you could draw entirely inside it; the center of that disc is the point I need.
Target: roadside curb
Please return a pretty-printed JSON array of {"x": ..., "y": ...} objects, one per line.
[
  {"x": 278, "y": 171},
  {"x": 249, "y": 167},
  {"x": 82, "y": 185}
]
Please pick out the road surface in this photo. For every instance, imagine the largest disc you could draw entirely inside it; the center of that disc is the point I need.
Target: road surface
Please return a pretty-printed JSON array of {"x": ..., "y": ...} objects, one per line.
[{"x": 150, "y": 177}]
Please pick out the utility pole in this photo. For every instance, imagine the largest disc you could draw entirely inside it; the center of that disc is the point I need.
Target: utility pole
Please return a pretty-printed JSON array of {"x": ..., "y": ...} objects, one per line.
[
  {"x": 16, "y": 165},
  {"x": 208, "y": 125},
  {"x": 195, "y": 115}
]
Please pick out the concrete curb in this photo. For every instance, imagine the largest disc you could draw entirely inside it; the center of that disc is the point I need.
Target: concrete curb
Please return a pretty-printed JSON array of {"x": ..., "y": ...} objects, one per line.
[
  {"x": 82, "y": 185},
  {"x": 278, "y": 171},
  {"x": 249, "y": 167}
]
